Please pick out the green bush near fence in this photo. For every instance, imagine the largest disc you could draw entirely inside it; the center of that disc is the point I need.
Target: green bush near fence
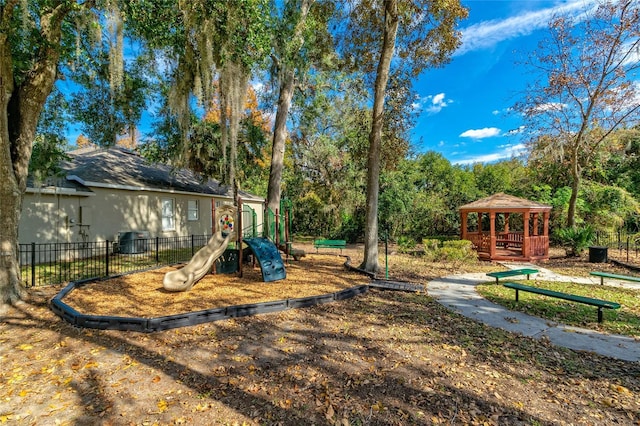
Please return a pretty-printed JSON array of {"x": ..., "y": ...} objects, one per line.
[
  {"x": 406, "y": 244},
  {"x": 575, "y": 240},
  {"x": 453, "y": 251}
]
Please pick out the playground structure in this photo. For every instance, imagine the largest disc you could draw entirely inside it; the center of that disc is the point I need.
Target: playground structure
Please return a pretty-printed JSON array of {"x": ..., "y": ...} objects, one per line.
[
  {"x": 184, "y": 278},
  {"x": 278, "y": 228},
  {"x": 228, "y": 231},
  {"x": 217, "y": 255}
]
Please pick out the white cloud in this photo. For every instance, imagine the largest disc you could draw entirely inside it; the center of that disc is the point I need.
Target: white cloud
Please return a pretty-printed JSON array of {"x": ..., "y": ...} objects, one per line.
[
  {"x": 503, "y": 111},
  {"x": 433, "y": 104},
  {"x": 550, "y": 106},
  {"x": 516, "y": 131},
  {"x": 438, "y": 99},
  {"x": 487, "y": 132},
  {"x": 634, "y": 53},
  {"x": 508, "y": 151},
  {"x": 486, "y": 34}
]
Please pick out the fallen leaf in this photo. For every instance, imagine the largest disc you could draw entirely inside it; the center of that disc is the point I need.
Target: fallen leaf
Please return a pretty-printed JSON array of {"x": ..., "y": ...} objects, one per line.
[
  {"x": 619, "y": 389},
  {"x": 330, "y": 413}
]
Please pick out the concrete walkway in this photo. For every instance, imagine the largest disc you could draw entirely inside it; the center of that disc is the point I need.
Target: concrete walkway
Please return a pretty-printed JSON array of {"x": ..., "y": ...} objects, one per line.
[{"x": 458, "y": 293}]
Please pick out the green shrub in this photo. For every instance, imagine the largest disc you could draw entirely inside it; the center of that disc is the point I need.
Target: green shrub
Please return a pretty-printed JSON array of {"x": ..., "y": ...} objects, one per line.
[
  {"x": 576, "y": 240},
  {"x": 457, "y": 252},
  {"x": 406, "y": 244},
  {"x": 430, "y": 248}
]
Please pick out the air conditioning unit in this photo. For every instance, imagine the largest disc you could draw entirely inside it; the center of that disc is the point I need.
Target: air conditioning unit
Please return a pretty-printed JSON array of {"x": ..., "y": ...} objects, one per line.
[{"x": 132, "y": 242}]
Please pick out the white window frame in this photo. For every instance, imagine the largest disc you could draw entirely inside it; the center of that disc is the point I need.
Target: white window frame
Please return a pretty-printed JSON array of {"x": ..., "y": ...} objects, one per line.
[
  {"x": 169, "y": 216},
  {"x": 193, "y": 210}
]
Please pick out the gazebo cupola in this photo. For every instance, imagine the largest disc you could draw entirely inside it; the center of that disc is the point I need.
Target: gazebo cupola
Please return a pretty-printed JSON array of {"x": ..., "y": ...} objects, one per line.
[{"x": 504, "y": 227}]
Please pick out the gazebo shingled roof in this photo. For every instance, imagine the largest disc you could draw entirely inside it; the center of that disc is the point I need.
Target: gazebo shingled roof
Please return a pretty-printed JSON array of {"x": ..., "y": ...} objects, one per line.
[
  {"x": 503, "y": 202},
  {"x": 492, "y": 244}
]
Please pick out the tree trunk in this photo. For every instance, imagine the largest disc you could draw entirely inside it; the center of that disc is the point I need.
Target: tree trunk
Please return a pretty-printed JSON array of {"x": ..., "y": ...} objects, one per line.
[
  {"x": 279, "y": 139},
  {"x": 20, "y": 108},
  {"x": 10, "y": 194},
  {"x": 370, "y": 262},
  {"x": 224, "y": 126},
  {"x": 237, "y": 109},
  {"x": 287, "y": 85},
  {"x": 575, "y": 187}
]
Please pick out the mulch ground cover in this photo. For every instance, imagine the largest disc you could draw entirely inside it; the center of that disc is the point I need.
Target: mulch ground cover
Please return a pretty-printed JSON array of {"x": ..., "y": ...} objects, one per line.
[
  {"x": 382, "y": 358},
  {"x": 142, "y": 294}
]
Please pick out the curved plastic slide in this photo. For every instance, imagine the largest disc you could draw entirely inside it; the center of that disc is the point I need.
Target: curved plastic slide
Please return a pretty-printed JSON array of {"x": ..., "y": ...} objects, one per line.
[{"x": 184, "y": 278}]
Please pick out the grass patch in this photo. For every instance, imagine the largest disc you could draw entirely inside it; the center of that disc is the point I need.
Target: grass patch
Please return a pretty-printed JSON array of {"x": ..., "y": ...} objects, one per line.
[{"x": 625, "y": 320}]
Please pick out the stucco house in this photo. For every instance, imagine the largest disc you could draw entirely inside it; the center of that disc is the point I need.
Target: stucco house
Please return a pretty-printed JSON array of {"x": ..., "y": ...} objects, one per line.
[{"x": 106, "y": 192}]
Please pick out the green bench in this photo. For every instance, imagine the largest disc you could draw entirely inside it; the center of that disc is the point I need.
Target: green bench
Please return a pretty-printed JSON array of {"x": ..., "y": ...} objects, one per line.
[
  {"x": 600, "y": 304},
  {"x": 329, "y": 244},
  {"x": 512, "y": 273},
  {"x": 604, "y": 275}
]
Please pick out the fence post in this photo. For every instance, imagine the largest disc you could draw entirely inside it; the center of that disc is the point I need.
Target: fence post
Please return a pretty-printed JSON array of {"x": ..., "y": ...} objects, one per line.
[
  {"x": 59, "y": 260},
  {"x": 619, "y": 242},
  {"x": 33, "y": 264},
  {"x": 106, "y": 258},
  {"x": 627, "y": 249},
  {"x": 192, "y": 247},
  {"x": 157, "y": 254}
]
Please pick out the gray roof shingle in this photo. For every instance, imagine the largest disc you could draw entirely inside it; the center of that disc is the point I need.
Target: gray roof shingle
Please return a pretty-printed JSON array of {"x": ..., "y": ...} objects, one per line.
[{"x": 120, "y": 167}]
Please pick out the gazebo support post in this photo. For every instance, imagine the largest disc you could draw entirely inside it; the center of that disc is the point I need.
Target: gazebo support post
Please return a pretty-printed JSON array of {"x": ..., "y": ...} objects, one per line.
[
  {"x": 464, "y": 225},
  {"x": 545, "y": 231},
  {"x": 492, "y": 234},
  {"x": 526, "y": 243}
]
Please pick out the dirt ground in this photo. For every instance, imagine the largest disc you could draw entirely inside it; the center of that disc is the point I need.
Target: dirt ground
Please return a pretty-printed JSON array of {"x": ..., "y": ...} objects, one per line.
[{"x": 382, "y": 358}]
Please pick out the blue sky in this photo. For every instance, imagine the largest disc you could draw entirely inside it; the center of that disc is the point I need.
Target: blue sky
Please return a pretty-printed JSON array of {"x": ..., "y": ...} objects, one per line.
[{"x": 466, "y": 105}]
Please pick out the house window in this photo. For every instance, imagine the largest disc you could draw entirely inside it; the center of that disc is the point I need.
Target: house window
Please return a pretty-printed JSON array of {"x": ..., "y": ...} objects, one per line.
[
  {"x": 192, "y": 210},
  {"x": 168, "y": 214}
]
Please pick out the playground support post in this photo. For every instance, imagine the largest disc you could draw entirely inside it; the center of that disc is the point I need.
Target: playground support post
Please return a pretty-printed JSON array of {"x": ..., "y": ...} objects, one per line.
[
  {"x": 214, "y": 269},
  {"x": 239, "y": 233},
  {"x": 277, "y": 234}
]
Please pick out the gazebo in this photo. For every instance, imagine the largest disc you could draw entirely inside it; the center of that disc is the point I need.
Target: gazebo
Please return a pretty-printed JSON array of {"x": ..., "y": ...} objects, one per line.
[{"x": 504, "y": 227}]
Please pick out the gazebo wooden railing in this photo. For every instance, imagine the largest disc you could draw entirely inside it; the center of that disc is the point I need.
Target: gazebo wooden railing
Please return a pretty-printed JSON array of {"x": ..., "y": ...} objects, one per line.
[
  {"x": 481, "y": 241},
  {"x": 509, "y": 239},
  {"x": 539, "y": 246}
]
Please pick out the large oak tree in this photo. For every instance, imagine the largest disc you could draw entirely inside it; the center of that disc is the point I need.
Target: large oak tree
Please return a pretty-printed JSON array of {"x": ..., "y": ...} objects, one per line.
[
  {"x": 32, "y": 43},
  {"x": 300, "y": 42},
  {"x": 399, "y": 39}
]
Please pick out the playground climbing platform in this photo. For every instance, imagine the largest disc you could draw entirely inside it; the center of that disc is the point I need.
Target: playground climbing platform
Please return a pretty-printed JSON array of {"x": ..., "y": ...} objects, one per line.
[{"x": 268, "y": 256}]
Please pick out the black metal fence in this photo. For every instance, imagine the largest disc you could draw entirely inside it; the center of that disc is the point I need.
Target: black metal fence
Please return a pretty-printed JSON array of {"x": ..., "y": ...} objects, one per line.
[
  {"x": 628, "y": 245},
  {"x": 53, "y": 263},
  {"x": 618, "y": 240}
]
